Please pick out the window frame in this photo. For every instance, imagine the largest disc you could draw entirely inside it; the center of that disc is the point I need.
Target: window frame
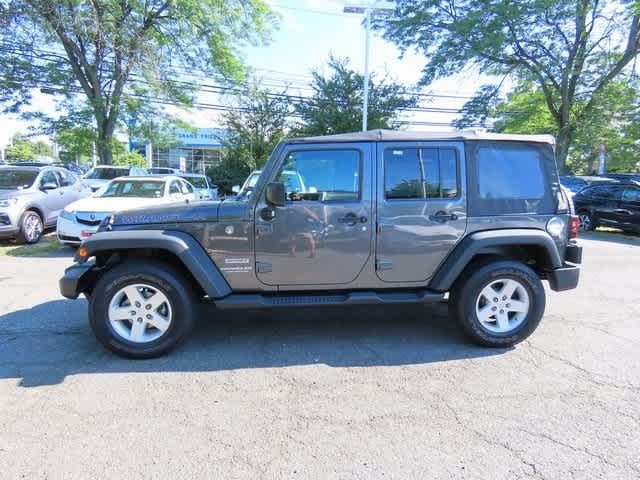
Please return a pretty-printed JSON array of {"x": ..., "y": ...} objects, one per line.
[
  {"x": 288, "y": 152},
  {"x": 420, "y": 148}
]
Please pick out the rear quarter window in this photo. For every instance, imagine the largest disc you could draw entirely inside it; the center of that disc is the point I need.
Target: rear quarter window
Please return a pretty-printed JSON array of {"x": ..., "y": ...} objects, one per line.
[{"x": 511, "y": 178}]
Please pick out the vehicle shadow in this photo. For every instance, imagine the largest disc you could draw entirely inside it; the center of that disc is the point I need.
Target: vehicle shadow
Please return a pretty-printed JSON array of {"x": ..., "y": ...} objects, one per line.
[{"x": 45, "y": 344}]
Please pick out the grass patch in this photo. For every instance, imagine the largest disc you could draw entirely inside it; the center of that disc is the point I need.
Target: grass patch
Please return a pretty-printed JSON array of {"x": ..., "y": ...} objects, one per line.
[{"x": 43, "y": 248}]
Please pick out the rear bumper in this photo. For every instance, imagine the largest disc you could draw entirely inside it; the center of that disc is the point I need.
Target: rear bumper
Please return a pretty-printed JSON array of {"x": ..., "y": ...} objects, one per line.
[
  {"x": 567, "y": 276},
  {"x": 77, "y": 279}
]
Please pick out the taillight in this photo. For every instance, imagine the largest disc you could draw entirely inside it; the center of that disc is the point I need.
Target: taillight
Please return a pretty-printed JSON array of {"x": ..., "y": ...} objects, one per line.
[{"x": 575, "y": 227}]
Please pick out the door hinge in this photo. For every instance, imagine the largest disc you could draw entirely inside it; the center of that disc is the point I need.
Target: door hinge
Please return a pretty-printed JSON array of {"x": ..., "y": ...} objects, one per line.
[
  {"x": 385, "y": 227},
  {"x": 384, "y": 264},
  {"x": 263, "y": 267}
]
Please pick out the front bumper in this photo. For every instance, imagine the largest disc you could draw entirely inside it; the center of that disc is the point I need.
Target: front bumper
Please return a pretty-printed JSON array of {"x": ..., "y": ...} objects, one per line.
[
  {"x": 73, "y": 233},
  {"x": 567, "y": 276},
  {"x": 8, "y": 224},
  {"x": 77, "y": 279}
]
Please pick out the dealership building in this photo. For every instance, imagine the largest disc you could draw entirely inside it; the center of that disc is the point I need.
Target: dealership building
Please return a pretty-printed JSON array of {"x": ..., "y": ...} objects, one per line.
[{"x": 194, "y": 151}]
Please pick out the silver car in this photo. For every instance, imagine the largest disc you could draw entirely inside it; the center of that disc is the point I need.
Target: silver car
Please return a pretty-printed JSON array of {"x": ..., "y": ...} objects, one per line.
[
  {"x": 203, "y": 184},
  {"x": 31, "y": 198}
]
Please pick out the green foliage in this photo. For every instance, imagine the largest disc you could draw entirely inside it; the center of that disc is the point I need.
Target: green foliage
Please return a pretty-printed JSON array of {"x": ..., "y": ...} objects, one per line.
[
  {"x": 76, "y": 142},
  {"x": 27, "y": 150},
  {"x": 570, "y": 49},
  {"x": 94, "y": 55},
  {"x": 253, "y": 127},
  {"x": 336, "y": 105},
  {"x": 614, "y": 119},
  {"x": 129, "y": 159}
]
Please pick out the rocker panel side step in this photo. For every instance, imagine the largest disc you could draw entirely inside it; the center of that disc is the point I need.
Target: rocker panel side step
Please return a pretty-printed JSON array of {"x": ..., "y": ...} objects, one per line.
[{"x": 257, "y": 300}]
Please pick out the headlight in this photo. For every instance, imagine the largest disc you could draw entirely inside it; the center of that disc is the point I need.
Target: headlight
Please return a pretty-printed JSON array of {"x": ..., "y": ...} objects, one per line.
[
  {"x": 66, "y": 214},
  {"x": 8, "y": 202},
  {"x": 555, "y": 227}
]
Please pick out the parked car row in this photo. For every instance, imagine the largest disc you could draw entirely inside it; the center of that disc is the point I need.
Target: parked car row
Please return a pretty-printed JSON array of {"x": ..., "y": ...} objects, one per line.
[{"x": 35, "y": 197}]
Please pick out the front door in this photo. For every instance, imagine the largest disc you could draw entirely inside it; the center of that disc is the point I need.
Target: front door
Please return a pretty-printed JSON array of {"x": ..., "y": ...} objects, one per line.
[
  {"x": 323, "y": 234},
  {"x": 421, "y": 208}
]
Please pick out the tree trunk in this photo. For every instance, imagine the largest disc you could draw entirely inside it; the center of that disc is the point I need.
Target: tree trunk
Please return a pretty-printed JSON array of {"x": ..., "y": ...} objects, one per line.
[
  {"x": 563, "y": 141},
  {"x": 104, "y": 141}
]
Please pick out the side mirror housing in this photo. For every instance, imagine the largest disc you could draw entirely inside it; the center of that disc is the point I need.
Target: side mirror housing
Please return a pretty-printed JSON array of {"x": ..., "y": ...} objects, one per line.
[
  {"x": 48, "y": 186},
  {"x": 275, "y": 194},
  {"x": 235, "y": 189}
]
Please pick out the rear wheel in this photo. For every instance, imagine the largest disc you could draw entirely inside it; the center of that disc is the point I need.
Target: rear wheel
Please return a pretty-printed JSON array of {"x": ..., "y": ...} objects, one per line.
[
  {"x": 31, "y": 228},
  {"x": 586, "y": 221},
  {"x": 142, "y": 309},
  {"x": 499, "y": 303}
]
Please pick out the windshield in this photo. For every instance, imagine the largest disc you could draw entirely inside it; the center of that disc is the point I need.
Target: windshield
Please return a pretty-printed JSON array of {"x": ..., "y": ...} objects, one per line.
[
  {"x": 106, "y": 173},
  {"x": 129, "y": 188},
  {"x": 198, "y": 182},
  {"x": 16, "y": 179}
]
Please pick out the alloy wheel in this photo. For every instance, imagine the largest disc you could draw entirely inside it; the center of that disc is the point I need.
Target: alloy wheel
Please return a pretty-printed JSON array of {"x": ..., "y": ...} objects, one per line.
[
  {"x": 502, "y": 305},
  {"x": 32, "y": 227},
  {"x": 140, "y": 313}
]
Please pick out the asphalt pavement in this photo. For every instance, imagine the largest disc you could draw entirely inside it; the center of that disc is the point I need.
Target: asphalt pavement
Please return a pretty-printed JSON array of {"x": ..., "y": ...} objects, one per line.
[{"x": 326, "y": 393}]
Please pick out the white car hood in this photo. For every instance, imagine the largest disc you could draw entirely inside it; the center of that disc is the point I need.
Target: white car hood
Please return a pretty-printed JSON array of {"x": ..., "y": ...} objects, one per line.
[{"x": 111, "y": 204}]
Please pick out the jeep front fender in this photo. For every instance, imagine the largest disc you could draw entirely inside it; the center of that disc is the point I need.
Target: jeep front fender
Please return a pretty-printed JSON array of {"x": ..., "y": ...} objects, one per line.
[
  {"x": 186, "y": 248},
  {"x": 480, "y": 242}
]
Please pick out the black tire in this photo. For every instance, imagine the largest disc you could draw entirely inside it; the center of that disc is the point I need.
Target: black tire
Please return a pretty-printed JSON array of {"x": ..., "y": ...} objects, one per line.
[
  {"x": 159, "y": 275},
  {"x": 587, "y": 222},
  {"x": 25, "y": 235},
  {"x": 466, "y": 291}
]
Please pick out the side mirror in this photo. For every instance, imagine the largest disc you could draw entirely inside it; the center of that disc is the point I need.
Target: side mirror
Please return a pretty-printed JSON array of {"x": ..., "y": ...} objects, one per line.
[
  {"x": 275, "y": 194},
  {"x": 235, "y": 189},
  {"x": 48, "y": 186}
]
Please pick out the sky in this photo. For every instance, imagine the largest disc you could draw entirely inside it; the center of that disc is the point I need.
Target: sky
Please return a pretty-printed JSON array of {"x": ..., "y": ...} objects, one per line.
[{"x": 310, "y": 31}]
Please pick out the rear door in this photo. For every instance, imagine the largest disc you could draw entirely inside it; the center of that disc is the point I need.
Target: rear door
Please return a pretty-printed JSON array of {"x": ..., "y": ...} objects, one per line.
[
  {"x": 606, "y": 199},
  {"x": 322, "y": 235},
  {"x": 54, "y": 200},
  {"x": 421, "y": 208},
  {"x": 629, "y": 208}
]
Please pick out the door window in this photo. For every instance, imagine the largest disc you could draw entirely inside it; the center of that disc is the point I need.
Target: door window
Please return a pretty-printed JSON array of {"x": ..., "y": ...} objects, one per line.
[
  {"x": 66, "y": 178},
  {"x": 421, "y": 173},
  {"x": 48, "y": 177},
  {"x": 323, "y": 175},
  {"x": 186, "y": 188},
  {"x": 174, "y": 188},
  {"x": 631, "y": 195}
]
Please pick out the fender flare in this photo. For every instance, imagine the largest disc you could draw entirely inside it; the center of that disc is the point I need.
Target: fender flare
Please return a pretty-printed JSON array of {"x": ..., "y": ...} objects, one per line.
[
  {"x": 186, "y": 248},
  {"x": 475, "y": 243}
]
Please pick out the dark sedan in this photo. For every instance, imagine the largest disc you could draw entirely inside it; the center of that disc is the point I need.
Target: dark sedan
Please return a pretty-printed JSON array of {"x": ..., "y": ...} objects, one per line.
[{"x": 609, "y": 205}]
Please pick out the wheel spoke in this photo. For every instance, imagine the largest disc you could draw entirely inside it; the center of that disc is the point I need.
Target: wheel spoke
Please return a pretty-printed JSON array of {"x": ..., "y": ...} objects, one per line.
[
  {"x": 484, "y": 313},
  {"x": 137, "y": 331},
  {"x": 133, "y": 294},
  {"x": 489, "y": 293},
  {"x": 159, "y": 322},
  {"x": 156, "y": 300},
  {"x": 119, "y": 314},
  {"x": 509, "y": 288},
  {"x": 503, "y": 320},
  {"x": 518, "y": 306}
]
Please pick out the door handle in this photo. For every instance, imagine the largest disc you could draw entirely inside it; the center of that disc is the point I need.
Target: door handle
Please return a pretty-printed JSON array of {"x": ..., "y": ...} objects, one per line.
[
  {"x": 443, "y": 216},
  {"x": 622, "y": 211},
  {"x": 351, "y": 219}
]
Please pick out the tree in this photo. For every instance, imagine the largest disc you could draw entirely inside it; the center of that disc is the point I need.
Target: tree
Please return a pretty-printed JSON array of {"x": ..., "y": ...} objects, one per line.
[
  {"x": 130, "y": 159},
  {"x": 23, "y": 149},
  {"x": 257, "y": 121},
  {"x": 570, "y": 49},
  {"x": 107, "y": 50},
  {"x": 614, "y": 119},
  {"x": 76, "y": 142},
  {"x": 336, "y": 104}
]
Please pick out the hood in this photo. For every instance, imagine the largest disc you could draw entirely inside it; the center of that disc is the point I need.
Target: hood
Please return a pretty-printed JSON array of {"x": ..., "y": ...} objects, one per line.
[
  {"x": 94, "y": 182},
  {"x": 204, "y": 212},
  {"x": 110, "y": 204}
]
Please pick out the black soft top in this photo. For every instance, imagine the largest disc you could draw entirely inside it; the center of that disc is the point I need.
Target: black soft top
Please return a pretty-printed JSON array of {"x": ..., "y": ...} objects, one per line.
[{"x": 397, "y": 135}]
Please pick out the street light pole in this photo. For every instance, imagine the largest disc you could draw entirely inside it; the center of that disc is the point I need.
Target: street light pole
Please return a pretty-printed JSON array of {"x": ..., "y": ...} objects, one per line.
[
  {"x": 365, "y": 99},
  {"x": 367, "y": 10}
]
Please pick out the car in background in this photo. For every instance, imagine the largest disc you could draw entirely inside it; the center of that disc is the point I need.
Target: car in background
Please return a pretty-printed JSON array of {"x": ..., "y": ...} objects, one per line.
[
  {"x": 633, "y": 177},
  {"x": 101, "y": 175},
  {"x": 203, "y": 184},
  {"x": 81, "y": 219},
  {"x": 293, "y": 181},
  {"x": 31, "y": 198},
  {"x": 573, "y": 184},
  {"x": 72, "y": 167},
  {"x": 162, "y": 171},
  {"x": 615, "y": 204}
]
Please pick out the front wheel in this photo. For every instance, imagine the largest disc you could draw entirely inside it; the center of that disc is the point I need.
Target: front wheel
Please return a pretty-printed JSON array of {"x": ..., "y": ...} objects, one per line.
[
  {"x": 31, "y": 228},
  {"x": 587, "y": 222},
  {"x": 141, "y": 309},
  {"x": 498, "y": 304}
]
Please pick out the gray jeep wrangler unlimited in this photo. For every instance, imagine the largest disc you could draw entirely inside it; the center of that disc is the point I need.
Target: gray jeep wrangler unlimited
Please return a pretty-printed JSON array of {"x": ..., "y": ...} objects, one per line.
[{"x": 379, "y": 217}]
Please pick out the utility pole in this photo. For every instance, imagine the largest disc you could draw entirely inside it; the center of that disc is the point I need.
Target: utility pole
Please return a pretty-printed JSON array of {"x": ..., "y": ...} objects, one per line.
[
  {"x": 367, "y": 9},
  {"x": 602, "y": 164}
]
